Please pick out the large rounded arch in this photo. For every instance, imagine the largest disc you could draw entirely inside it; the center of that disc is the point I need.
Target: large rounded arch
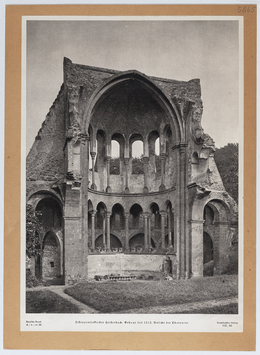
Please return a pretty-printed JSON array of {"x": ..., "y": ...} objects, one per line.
[
  {"x": 130, "y": 76},
  {"x": 50, "y": 213},
  {"x": 214, "y": 215}
]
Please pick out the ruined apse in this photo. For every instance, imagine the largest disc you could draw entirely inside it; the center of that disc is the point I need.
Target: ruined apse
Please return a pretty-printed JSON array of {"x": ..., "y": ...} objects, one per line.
[{"x": 166, "y": 211}]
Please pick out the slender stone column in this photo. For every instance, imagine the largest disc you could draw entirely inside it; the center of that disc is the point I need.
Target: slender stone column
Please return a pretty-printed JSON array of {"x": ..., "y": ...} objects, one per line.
[
  {"x": 149, "y": 232},
  {"x": 126, "y": 174},
  {"x": 108, "y": 189},
  {"x": 145, "y": 161},
  {"x": 127, "y": 215},
  {"x": 104, "y": 231},
  {"x": 163, "y": 216},
  {"x": 93, "y": 214},
  {"x": 169, "y": 228},
  {"x": 162, "y": 157},
  {"x": 93, "y": 185},
  {"x": 146, "y": 214},
  {"x": 108, "y": 214}
]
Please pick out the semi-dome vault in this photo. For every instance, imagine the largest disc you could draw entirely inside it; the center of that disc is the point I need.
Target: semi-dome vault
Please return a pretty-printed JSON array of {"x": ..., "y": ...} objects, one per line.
[{"x": 130, "y": 211}]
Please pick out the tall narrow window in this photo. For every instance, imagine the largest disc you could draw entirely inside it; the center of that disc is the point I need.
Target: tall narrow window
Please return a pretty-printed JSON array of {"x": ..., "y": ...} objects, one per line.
[
  {"x": 137, "y": 157},
  {"x": 115, "y": 158}
]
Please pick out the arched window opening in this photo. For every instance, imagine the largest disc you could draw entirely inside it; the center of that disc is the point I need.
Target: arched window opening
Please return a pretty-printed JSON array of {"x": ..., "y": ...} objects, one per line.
[
  {"x": 208, "y": 255},
  {"x": 50, "y": 213},
  {"x": 136, "y": 243},
  {"x": 115, "y": 158},
  {"x": 117, "y": 218},
  {"x": 137, "y": 151},
  {"x": 115, "y": 243},
  {"x": 101, "y": 213},
  {"x": 157, "y": 146},
  {"x": 208, "y": 215},
  {"x": 157, "y": 156},
  {"x": 195, "y": 158},
  {"x": 134, "y": 221},
  {"x": 155, "y": 216}
]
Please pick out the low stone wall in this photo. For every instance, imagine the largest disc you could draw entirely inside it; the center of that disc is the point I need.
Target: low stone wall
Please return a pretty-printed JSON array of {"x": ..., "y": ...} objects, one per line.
[{"x": 125, "y": 264}]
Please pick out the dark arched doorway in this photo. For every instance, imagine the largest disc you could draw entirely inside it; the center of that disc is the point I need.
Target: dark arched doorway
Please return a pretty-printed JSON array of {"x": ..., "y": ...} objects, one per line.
[
  {"x": 51, "y": 257},
  {"x": 208, "y": 255}
]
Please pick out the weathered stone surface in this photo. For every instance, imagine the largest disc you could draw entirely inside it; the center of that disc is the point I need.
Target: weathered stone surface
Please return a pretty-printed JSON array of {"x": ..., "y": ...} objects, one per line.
[{"x": 131, "y": 220}]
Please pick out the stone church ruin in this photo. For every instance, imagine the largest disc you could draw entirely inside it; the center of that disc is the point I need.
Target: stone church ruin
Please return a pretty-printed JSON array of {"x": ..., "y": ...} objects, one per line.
[{"x": 166, "y": 211}]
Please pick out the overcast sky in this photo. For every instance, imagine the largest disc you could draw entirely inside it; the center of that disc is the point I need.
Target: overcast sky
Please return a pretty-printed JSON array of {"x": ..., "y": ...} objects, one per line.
[{"x": 181, "y": 50}]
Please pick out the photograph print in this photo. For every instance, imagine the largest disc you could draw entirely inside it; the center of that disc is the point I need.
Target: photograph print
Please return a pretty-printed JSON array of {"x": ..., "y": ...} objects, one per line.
[{"x": 133, "y": 129}]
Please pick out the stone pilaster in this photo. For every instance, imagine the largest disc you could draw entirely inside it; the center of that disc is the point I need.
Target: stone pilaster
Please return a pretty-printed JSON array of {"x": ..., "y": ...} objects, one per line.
[
  {"x": 93, "y": 214},
  {"x": 108, "y": 215},
  {"x": 127, "y": 215},
  {"x": 163, "y": 216},
  {"x": 93, "y": 185},
  {"x": 108, "y": 189},
  {"x": 126, "y": 175},
  {"x": 162, "y": 158},
  {"x": 145, "y": 161}
]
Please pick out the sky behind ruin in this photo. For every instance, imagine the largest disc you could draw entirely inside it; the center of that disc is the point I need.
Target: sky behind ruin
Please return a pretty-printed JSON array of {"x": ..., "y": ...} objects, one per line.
[{"x": 179, "y": 50}]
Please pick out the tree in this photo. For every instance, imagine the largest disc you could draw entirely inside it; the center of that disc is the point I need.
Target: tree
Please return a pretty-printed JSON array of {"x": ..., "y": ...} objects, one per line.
[
  {"x": 33, "y": 227},
  {"x": 226, "y": 159}
]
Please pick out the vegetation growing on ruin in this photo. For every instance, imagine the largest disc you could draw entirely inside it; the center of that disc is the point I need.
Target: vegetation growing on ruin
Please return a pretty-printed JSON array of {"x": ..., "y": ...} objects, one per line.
[
  {"x": 33, "y": 225},
  {"x": 226, "y": 159}
]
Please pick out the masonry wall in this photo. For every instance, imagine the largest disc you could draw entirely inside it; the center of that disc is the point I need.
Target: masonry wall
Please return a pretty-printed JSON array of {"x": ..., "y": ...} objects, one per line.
[{"x": 125, "y": 264}]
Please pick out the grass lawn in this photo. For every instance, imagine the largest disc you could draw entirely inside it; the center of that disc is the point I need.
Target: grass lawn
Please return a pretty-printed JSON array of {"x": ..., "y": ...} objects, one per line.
[
  {"x": 46, "y": 301},
  {"x": 231, "y": 308},
  {"x": 109, "y": 297}
]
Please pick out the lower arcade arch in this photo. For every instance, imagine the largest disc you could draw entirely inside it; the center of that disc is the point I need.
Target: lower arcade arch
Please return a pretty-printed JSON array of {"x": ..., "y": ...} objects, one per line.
[
  {"x": 136, "y": 243},
  {"x": 51, "y": 257},
  {"x": 115, "y": 243},
  {"x": 208, "y": 255}
]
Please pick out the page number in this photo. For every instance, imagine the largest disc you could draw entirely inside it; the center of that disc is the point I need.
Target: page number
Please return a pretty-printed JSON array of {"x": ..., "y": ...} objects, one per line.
[{"x": 243, "y": 9}]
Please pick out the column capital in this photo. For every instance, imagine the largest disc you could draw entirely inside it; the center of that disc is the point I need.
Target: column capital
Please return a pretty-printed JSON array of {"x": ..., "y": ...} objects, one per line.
[
  {"x": 108, "y": 158},
  {"x": 108, "y": 214},
  {"x": 93, "y": 213},
  {"x": 93, "y": 154},
  {"x": 196, "y": 221},
  {"x": 163, "y": 156},
  {"x": 146, "y": 214},
  {"x": 127, "y": 215},
  {"x": 163, "y": 213}
]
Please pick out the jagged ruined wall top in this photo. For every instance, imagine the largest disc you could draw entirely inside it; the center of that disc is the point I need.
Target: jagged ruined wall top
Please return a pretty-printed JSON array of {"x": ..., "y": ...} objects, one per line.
[{"x": 45, "y": 160}]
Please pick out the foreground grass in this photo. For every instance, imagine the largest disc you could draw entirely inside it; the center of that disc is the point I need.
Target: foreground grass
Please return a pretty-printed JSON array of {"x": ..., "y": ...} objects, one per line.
[
  {"x": 109, "y": 297},
  {"x": 231, "y": 308},
  {"x": 45, "y": 301}
]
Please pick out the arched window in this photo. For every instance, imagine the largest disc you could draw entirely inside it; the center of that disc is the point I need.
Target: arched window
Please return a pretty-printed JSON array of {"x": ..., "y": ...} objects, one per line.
[
  {"x": 50, "y": 213},
  {"x": 137, "y": 157},
  {"x": 115, "y": 158},
  {"x": 134, "y": 221}
]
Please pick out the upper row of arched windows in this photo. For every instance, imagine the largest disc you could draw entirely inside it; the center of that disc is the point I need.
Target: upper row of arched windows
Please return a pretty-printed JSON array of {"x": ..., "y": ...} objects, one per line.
[{"x": 136, "y": 146}]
